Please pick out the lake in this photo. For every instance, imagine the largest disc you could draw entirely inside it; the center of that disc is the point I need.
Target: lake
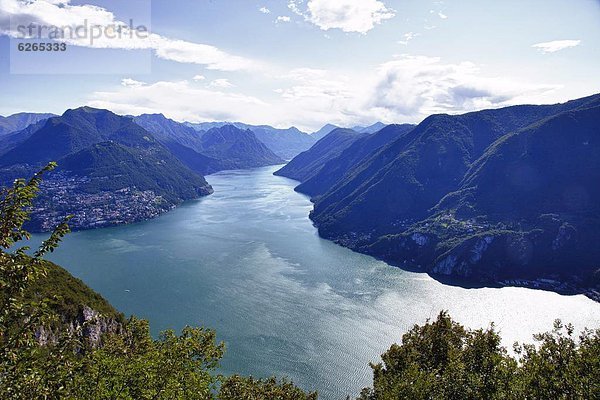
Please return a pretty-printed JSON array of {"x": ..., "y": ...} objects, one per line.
[{"x": 247, "y": 262}]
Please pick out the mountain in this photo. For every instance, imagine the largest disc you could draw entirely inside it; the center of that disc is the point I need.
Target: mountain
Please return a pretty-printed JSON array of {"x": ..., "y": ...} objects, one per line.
[
  {"x": 236, "y": 148},
  {"x": 483, "y": 196},
  {"x": 69, "y": 297},
  {"x": 410, "y": 175},
  {"x": 377, "y": 126},
  {"x": 528, "y": 208},
  {"x": 112, "y": 166},
  {"x": 221, "y": 147},
  {"x": 336, "y": 168},
  {"x": 167, "y": 131},
  {"x": 307, "y": 164},
  {"x": 73, "y": 131},
  {"x": 285, "y": 143},
  {"x": 20, "y": 121},
  {"x": 182, "y": 140},
  {"x": 551, "y": 166},
  {"x": 111, "y": 170},
  {"x": 12, "y": 139},
  {"x": 324, "y": 131}
]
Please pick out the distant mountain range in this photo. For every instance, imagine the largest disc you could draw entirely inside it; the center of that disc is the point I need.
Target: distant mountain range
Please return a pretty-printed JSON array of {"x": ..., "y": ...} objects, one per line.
[
  {"x": 117, "y": 169},
  {"x": 285, "y": 143},
  {"x": 508, "y": 196},
  {"x": 20, "y": 121},
  {"x": 237, "y": 148},
  {"x": 326, "y": 129},
  {"x": 221, "y": 147},
  {"x": 10, "y": 140},
  {"x": 376, "y": 127}
]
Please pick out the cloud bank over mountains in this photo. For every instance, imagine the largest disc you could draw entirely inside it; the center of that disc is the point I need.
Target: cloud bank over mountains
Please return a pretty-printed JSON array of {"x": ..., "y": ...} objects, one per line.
[{"x": 405, "y": 89}]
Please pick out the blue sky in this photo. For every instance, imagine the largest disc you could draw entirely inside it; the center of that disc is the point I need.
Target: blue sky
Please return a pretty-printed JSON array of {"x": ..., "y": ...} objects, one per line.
[{"x": 306, "y": 62}]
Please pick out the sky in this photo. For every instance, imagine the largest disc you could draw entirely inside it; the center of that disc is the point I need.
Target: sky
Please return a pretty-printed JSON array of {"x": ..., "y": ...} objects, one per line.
[{"x": 301, "y": 63}]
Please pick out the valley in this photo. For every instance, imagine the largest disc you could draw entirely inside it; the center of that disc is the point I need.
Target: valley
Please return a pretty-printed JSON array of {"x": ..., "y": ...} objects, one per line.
[{"x": 248, "y": 262}]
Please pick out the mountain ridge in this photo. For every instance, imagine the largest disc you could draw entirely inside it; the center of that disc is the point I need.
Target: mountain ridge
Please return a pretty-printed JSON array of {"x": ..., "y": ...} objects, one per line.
[
  {"x": 339, "y": 166},
  {"x": 111, "y": 171},
  {"x": 437, "y": 198},
  {"x": 20, "y": 121},
  {"x": 285, "y": 143},
  {"x": 310, "y": 162}
]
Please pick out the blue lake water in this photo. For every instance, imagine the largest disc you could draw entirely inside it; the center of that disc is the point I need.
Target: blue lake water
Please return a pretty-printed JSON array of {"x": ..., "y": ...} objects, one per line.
[{"x": 247, "y": 262}]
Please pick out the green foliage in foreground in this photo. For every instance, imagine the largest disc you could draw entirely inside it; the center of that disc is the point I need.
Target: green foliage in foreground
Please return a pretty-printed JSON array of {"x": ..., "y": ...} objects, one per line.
[
  {"x": 238, "y": 387},
  {"x": 443, "y": 360},
  {"x": 439, "y": 360}
]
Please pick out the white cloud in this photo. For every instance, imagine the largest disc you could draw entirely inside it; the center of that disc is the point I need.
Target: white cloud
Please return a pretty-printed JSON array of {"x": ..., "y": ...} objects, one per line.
[
  {"x": 348, "y": 15},
  {"x": 556, "y": 45},
  {"x": 293, "y": 5},
  {"x": 419, "y": 85},
  {"x": 404, "y": 89},
  {"x": 221, "y": 83},
  {"x": 63, "y": 13},
  {"x": 196, "y": 53},
  {"x": 408, "y": 36},
  {"x": 315, "y": 97},
  {"x": 283, "y": 18},
  {"x": 182, "y": 102},
  {"x": 127, "y": 82},
  {"x": 264, "y": 10},
  {"x": 442, "y": 15},
  {"x": 199, "y": 77}
]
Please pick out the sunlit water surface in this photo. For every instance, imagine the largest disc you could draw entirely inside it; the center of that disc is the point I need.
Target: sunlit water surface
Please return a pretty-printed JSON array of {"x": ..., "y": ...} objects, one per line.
[{"x": 247, "y": 262}]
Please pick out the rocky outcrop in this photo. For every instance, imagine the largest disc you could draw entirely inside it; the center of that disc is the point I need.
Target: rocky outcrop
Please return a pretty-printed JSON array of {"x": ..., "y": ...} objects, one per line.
[{"x": 89, "y": 325}]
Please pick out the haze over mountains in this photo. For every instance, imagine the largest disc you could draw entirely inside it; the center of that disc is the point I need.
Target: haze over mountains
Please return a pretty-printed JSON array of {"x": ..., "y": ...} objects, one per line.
[
  {"x": 489, "y": 196},
  {"x": 286, "y": 143},
  {"x": 17, "y": 122},
  {"x": 327, "y": 128}
]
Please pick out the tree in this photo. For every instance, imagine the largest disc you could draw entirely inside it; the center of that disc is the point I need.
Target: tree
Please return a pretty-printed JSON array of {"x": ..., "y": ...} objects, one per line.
[
  {"x": 20, "y": 315},
  {"x": 560, "y": 367},
  {"x": 237, "y": 387},
  {"x": 132, "y": 365},
  {"x": 443, "y": 360}
]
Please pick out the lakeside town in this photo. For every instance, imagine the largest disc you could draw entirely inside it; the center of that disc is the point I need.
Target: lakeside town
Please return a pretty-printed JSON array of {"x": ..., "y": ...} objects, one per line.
[{"x": 63, "y": 195}]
